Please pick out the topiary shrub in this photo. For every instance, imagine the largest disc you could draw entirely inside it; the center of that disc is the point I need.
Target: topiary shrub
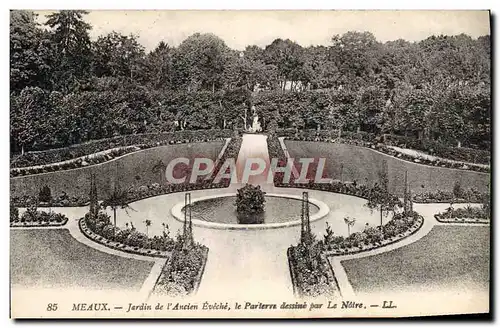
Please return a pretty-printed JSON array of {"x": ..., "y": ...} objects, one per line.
[{"x": 250, "y": 204}]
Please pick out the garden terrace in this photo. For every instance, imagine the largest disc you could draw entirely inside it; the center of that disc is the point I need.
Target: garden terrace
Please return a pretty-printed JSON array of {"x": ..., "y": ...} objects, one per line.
[
  {"x": 131, "y": 171},
  {"x": 52, "y": 258},
  {"x": 454, "y": 266},
  {"x": 362, "y": 165},
  {"x": 144, "y": 140},
  {"x": 454, "y": 157}
]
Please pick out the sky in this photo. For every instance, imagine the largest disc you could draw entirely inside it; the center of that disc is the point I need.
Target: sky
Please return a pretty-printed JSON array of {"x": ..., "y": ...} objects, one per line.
[{"x": 241, "y": 28}]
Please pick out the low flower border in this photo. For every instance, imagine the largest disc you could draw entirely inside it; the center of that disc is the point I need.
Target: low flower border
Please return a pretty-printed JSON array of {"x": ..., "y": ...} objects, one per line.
[
  {"x": 297, "y": 289},
  {"x": 119, "y": 246},
  {"x": 33, "y": 224},
  {"x": 355, "y": 250},
  {"x": 439, "y": 218},
  {"x": 166, "y": 270},
  {"x": 385, "y": 242}
]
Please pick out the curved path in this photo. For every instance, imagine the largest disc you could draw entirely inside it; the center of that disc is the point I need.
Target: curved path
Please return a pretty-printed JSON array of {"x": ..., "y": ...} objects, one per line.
[{"x": 251, "y": 265}]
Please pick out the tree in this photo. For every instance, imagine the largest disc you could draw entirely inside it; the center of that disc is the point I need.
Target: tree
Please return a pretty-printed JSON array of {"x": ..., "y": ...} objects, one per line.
[
  {"x": 117, "y": 199},
  {"x": 118, "y": 55},
  {"x": 71, "y": 34},
  {"x": 287, "y": 56},
  {"x": 159, "y": 168},
  {"x": 158, "y": 67},
  {"x": 28, "y": 114},
  {"x": 350, "y": 223},
  {"x": 199, "y": 62},
  {"x": 45, "y": 196},
  {"x": 148, "y": 224},
  {"x": 31, "y": 52},
  {"x": 380, "y": 198},
  {"x": 355, "y": 54}
]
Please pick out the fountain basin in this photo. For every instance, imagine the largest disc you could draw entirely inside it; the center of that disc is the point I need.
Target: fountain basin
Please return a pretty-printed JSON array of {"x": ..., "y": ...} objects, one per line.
[{"x": 205, "y": 208}]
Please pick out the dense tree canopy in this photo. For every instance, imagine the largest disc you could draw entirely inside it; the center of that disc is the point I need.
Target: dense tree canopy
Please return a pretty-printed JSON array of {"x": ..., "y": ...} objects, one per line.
[{"x": 67, "y": 88}]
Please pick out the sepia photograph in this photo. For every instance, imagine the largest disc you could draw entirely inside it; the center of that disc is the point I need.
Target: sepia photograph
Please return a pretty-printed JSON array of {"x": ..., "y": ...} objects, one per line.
[{"x": 250, "y": 163}]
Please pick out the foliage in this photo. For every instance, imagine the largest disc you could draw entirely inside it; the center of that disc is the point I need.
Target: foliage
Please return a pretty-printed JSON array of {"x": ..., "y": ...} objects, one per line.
[
  {"x": 32, "y": 215},
  {"x": 250, "y": 200},
  {"x": 45, "y": 195},
  {"x": 14, "y": 214},
  {"x": 311, "y": 272},
  {"x": 181, "y": 274},
  {"x": 371, "y": 236},
  {"x": 468, "y": 212},
  {"x": 102, "y": 226},
  {"x": 443, "y": 196},
  {"x": 67, "y": 89}
]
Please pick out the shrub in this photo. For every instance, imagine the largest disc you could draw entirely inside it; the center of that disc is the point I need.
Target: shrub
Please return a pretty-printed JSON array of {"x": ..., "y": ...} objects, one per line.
[
  {"x": 108, "y": 231},
  {"x": 122, "y": 235},
  {"x": 250, "y": 200},
  {"x": 136, "y": 239},
  {"x": 14, "y": 214},
  {"x": 45, "y": 195}
]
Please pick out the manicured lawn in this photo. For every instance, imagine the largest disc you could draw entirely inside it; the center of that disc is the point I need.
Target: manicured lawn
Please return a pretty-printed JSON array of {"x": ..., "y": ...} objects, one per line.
[
  {"x": 453, "y": 258},
  {"x": 52, "y": 259},
  {"x": 362, "y": 164}
]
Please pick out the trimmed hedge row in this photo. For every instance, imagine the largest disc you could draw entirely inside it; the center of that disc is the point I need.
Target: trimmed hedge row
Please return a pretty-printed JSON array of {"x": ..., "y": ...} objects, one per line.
[{"x": 142, "y": 141}]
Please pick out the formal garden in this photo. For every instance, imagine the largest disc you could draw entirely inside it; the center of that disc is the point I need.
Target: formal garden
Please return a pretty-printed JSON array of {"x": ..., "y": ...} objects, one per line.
[{"x": 94, "y": 124}]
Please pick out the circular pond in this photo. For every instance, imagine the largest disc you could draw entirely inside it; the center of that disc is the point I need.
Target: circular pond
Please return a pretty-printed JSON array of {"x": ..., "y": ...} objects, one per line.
[{"x": 220, "y": 212}]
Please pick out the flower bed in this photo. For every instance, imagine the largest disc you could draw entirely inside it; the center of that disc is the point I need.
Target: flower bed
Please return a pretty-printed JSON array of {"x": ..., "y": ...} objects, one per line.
[
  {"x": 398, "y": 228},
  {"x": 371, "y": 141},
  {"x": 464, "y": 215},
  {"x": 462, "y": 154},
  {"x": 100, "y": 151},
  {"x": 471, "y": 195},
  {"x": 311, "y": 274},
  {"x": 133, "y": 195},
  {"x": 121, "y": 246},
  {"x": 33, "y": 218},
  {"x": 98, "y": 227},
  {"x": 88, "y": 160},
  {"x": 182, "y": 274}
]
